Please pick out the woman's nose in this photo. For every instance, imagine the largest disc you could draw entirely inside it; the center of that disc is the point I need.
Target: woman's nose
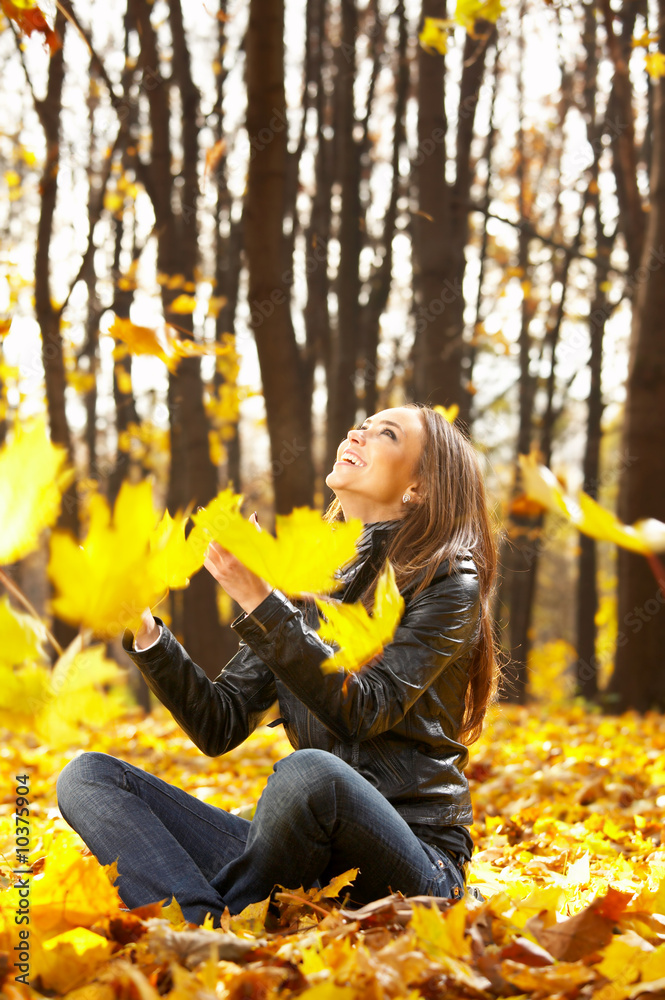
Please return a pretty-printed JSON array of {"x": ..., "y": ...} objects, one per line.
[{"x": 355, "y": 435}]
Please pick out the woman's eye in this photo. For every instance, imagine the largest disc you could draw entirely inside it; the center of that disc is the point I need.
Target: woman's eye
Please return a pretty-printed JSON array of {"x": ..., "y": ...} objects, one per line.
[{"x": 387, "y": 430}]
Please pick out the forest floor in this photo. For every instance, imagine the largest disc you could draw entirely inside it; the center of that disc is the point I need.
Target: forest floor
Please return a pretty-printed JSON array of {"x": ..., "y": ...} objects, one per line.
[{"x": 568, "y": 830}]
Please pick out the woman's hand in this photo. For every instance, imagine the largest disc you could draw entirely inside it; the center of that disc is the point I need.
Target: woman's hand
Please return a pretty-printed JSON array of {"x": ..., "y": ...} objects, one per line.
[
  {"x": 244, "y": 587},
  {"x": 148, "y": 632}
]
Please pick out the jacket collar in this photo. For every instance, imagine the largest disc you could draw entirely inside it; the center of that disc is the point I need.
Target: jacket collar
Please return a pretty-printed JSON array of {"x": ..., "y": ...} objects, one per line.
[
  {"x": 374, "y": 537},
  {"x": 370, "y": 547}
]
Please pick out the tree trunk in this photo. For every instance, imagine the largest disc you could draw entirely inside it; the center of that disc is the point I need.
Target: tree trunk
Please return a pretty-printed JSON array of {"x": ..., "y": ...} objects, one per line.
[
  {"x": 345, "y": 342},
  {"x": 638, "y": 680},
  {"x": 193, "y": 477},
  {"x": 48, "y": 317},
  {"x": 288, "y": 404},
  {"x": 441, "y": 226}
]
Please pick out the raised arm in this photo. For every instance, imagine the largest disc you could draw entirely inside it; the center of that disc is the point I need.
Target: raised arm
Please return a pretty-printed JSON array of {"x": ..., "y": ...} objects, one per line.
[
  {"x": 216, "y": 715},
  {"x": 439, "y": 626}
]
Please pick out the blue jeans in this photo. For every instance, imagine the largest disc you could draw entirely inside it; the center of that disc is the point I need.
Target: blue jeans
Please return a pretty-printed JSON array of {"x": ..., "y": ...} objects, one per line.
[{"x": 317, "y": 817}]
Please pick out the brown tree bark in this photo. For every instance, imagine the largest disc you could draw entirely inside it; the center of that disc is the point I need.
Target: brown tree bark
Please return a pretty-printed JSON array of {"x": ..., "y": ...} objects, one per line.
[
  {"x": 638, "y": 680},
  {"x": 47, "y": 315},
  {"x": 440, "y": 230},
  {"x": 587, "y": 585},
  {"x": 288, "y": 405},
  {"x": 380, "y": 280},
  {"x": 341, "y": 387},
  {"x": 193, "y": 477}
]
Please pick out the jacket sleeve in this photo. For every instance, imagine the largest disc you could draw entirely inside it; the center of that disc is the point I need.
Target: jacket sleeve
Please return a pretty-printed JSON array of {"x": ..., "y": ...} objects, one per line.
[
  {"x": 438, "y": 627},
  {"x": 216, "y": 715}
]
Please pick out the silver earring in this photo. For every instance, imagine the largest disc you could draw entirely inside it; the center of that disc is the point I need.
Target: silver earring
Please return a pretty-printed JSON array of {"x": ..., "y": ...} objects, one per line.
[{"x": 406, "y": 498}]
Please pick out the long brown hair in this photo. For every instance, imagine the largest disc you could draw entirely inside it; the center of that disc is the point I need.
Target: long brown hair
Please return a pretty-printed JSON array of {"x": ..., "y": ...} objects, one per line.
[{"x": 452, "y": 517}]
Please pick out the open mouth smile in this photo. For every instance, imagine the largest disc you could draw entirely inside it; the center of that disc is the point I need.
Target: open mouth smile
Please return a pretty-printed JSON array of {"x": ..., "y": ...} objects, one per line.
[{"x": 350, "y": 458}]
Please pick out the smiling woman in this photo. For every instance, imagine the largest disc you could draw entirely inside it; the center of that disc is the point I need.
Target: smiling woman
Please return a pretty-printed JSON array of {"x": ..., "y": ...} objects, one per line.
[
  {"x": 377, "y": 465},
  {"x": 376, "y": 780}
]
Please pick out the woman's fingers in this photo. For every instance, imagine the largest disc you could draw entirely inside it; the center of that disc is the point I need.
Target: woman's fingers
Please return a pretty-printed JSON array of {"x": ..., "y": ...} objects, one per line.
[{"x": 148, "y": 631}]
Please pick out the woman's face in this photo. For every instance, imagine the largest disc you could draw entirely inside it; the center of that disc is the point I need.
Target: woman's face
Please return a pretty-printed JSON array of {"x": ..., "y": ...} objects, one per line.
[{"x": 376, "y": 465}]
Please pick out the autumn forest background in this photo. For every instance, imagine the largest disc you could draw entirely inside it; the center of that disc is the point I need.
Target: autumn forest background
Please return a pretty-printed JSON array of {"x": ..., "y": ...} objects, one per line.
[{"x": 228, "y": 232}]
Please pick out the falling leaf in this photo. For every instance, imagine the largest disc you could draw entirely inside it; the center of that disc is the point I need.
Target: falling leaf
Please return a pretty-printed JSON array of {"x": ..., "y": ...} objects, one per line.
[
  {"x": 163, "y": 343},
  {"x": 23, "y": 636},
  {"x": 586, "y": 514},
  {"x": 449, "y": 412},
  {"x": 467, "y": 12},
  {"x": 358, "y": 636},
  {"x": 434, "y": 37},
  {"x": 602, "y": 524},
  {"x": 174, "y": 558},
  {"x": 542, "y": 485},
  {"x": 30, "y": 460},
  {"x": 655, "y": 64},
  {"x": 29, "y": 18},
  {"x": 183, "y": 304},
  {"x": 106, "y": 581},
  {"x": 302, "y": 559}
]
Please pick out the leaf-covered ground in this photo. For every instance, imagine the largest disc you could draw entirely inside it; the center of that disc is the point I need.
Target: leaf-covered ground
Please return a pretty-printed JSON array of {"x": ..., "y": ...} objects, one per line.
[{"x": 568, "y": 830}]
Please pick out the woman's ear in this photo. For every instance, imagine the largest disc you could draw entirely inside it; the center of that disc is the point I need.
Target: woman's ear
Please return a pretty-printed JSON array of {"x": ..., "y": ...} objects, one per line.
[{"x": 414, "y": 492}]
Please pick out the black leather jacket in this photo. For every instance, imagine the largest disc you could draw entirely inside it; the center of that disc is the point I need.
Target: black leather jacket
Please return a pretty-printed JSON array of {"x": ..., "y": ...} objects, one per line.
[{"x": 395, "y": 721}]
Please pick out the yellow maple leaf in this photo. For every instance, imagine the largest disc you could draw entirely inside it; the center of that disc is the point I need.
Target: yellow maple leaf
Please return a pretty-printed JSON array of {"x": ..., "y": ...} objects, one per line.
[
  {"x": 53, "y": 704},
  {"x": 434, "y": 36},
  {"x": 67, "y": 960},
  {"x": 302, "y": 559},
  {"x": 644, "y": 537},
  {"x": 467, "y": 12},
  {"x": 335, "y": 886},
  {"x": 23, "y": 636},
  {"x": 141, "y": 339},
  {"x": 183, "y": 304},
  {"x": 73, "y": 890},
  {"x": 358, "y": 636},
  {"x": 32, "y": 480},
  {"x": 161, "y": 343},
  {"x": 541, "y": 484},
  {"x": 449, "y": 412},
  {"x": 655, "y": 64},
  {"x": 174, "y": 558},
  {"x": 441, "y": 934},
  {"x": 75, "y": 694},
  {"x": 604, "y": 525},
  {"x": 105, "y": 582}
]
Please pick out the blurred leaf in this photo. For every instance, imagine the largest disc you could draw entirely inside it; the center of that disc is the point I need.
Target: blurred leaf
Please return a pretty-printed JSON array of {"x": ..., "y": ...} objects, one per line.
[
  {"x": 434, "y": 36},
  {"x": 39, "y": 467},
  {"x": 359, "y": 636},
  {"x": 302, "y": 559}
]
